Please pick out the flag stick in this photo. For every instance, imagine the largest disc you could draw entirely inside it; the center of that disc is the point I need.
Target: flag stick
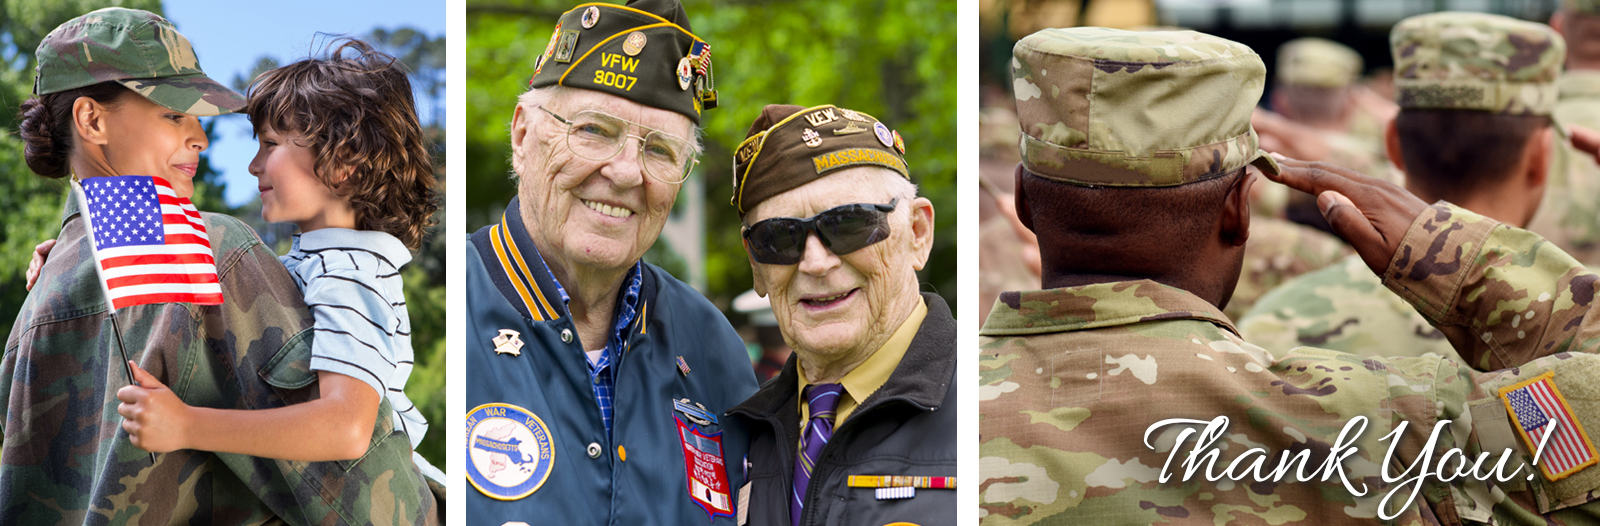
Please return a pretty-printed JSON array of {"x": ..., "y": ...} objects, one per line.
[{"x": 127, "y": 369}]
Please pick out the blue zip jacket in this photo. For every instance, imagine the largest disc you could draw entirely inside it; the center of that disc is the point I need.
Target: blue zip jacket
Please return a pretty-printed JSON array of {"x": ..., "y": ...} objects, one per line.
[{"x": 537, "y": 449}]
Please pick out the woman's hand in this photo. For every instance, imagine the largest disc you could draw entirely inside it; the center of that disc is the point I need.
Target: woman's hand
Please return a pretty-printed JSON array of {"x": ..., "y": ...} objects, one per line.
[
  {"x": 155, "y": 419},
  {"x": 40, "y": 252}
]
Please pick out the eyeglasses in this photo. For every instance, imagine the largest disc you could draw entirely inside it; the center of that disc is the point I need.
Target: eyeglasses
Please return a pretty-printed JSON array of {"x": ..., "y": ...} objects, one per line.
[
  {"x": 843, "y": 229},
  {"x": 598, "y": 136}
]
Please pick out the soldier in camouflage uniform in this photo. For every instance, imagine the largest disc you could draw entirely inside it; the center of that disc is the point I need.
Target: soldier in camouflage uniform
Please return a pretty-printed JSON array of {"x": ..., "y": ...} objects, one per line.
[
  {"x": 1570, "y": 213},
  {"x": 1073, "y": 377},
  {"x": 66, "y": 459},
  {"x": 1344, "y": 307}
]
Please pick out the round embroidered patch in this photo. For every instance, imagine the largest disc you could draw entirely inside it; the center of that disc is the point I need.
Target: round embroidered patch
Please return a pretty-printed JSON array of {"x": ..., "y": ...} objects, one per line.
[{"x": 510, "y": 452}]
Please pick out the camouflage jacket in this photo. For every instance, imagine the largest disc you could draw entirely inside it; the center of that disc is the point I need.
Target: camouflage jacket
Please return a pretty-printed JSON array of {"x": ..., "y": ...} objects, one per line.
[
  {"x": 1279, "y": 250},
  {"x": 1569, "y": 216},
  {"x": 66, "y": 459},
  {"x": 1343, "y": 307},
  {"x": 1072, "y": 378}
]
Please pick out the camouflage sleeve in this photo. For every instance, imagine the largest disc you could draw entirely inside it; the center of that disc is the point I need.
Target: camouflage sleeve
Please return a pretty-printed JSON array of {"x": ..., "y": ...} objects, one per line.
[{"x": 1503, "y": 296}]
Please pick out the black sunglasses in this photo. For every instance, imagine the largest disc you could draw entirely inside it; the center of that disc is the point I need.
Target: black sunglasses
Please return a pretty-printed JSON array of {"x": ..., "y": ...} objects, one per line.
[{"x": 843, "y": 229}]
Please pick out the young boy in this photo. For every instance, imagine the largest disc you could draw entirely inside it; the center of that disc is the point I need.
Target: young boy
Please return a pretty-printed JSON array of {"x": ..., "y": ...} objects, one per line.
[{"x": 343, "y": 157}]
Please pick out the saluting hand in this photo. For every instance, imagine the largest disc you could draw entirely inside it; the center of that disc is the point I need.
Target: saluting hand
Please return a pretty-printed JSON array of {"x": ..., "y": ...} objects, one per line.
[
  {"x": 153, "y": 416},
  {"x": 1371, "y": 214}
]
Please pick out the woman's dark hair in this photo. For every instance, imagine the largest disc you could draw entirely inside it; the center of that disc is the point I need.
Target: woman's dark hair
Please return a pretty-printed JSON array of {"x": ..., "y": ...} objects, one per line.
[
  {"x": 356, "y": 111},
  {"x": 47, "y": 130}
]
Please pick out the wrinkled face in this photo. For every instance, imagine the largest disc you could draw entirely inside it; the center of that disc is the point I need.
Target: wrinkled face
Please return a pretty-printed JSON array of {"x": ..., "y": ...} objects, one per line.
[
  {"x": 597, "y": 214},
  {"x": 290, "y": 190},
  {"x": 144, "y": 138},
  {"x": 830, "y": 305}
]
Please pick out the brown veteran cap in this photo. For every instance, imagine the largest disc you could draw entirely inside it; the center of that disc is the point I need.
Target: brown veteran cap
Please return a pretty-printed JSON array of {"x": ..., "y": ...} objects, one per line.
[
  {"x": 1162, "y": 108},
  {"x": 789, "y": 146},
  {"x": 642, "y": 52}
]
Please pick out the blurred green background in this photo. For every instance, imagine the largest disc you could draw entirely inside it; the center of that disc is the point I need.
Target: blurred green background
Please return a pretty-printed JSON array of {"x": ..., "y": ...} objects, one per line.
[
  {"x": 893, "y": 59},
  {"x": 30, "y": 205}
]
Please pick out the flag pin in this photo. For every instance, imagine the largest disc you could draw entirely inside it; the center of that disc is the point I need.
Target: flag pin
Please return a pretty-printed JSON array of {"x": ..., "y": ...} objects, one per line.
[{"x": 508, "y": 342}]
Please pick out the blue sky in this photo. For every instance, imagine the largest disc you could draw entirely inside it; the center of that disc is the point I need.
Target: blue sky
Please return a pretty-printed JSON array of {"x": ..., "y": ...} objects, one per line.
[{"x": 229, "y": 37}]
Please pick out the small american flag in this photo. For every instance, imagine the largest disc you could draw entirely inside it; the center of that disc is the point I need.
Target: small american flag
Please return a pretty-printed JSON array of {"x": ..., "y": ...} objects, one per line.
[
  {"x": 1536, "y": 405},
  {"x": 150, "y": 244}
]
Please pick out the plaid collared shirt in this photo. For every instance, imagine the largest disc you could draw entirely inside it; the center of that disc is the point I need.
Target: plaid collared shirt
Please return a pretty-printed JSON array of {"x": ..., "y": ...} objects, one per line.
[{"x": 601, "y": 375}]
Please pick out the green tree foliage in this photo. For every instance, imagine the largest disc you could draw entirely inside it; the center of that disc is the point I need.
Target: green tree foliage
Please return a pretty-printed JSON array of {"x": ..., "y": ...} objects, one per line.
[{"x": 894, "y": 59}]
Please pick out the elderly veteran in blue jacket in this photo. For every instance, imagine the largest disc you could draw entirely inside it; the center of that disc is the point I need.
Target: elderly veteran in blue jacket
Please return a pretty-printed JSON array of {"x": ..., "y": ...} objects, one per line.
[
  {"x": 596, "y": 382},
  {"x": 860, "y": 426}
]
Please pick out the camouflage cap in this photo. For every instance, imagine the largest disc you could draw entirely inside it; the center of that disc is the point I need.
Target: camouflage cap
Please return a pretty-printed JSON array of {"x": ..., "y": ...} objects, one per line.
[
  {"x": 642, "y": 52},
  {"x": 1162, "y": 108},
  {"x": 1317, "y": 62},
  {"x": 1476, "y": 61},
  {"x": 789, "y": 146},
  {"x": 137, "y": 49}
]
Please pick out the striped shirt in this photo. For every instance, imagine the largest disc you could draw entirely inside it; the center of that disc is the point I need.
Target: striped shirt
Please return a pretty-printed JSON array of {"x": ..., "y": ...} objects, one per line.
[{"x": 351, "y": 282}]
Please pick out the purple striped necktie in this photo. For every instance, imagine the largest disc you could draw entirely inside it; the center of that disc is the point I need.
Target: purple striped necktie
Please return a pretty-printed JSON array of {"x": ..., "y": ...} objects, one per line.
[{"x": 822, "y": 400}]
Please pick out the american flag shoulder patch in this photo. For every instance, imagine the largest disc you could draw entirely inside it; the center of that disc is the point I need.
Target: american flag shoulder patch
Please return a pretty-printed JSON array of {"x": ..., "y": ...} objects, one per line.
[{"x": 1542, "y": 416}]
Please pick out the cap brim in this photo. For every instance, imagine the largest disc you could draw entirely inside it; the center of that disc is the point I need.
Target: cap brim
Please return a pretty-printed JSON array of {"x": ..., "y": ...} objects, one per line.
[
  {"x": 195, "y": 94},
  {"x": 1266, "y": 163}
]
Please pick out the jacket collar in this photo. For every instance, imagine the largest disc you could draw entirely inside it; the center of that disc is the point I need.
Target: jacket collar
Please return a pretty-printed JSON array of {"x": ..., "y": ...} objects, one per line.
[
  {"x": 1096, "y": 306},
  {"x": 517, "y": 269},
  {"x": 922, "y": 377}
]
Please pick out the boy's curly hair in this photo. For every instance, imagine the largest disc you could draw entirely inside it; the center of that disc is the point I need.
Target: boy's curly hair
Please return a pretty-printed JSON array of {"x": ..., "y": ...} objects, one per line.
[{"x": 357, "y": 112}]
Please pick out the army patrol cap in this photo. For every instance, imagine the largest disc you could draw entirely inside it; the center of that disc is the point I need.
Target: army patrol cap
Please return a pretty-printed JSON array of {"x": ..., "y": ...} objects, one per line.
[
  {"x": 788, "y": 146},
  {"x": 642, "y": 52},
  {"x": 1161, "y": 108},
  {"x": 1476, "y": 61},
  {"x": 137, "y": 49},
  {"x": 1318, "y": 63}
]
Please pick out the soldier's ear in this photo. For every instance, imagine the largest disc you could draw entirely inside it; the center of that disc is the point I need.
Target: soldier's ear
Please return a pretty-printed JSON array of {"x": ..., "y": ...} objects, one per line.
[
  {"x": 1538, "y": 151},
  {"x": 1024, "y": 214},
  {"x": 1391, "y": 146},
  {"x": 89, "y": 120},
  {"x": 1236, "y": 209}
]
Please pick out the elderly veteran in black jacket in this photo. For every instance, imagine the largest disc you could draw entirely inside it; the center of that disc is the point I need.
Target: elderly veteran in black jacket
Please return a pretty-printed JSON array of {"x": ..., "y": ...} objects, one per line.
[{"x": 860, "y": 426}]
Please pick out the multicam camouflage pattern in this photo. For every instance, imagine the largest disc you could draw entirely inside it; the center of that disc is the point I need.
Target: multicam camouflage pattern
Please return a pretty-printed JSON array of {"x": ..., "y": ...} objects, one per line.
[
  {"x": 1476, "y": 61},
  {"x": 1569, "y": 216},
  {"x": 1317, "y": 62},
  {"x": 1072, "y": 377},
  {"x": 1343, "y": 307},
  {"x": 66, "y": 459},
  {"x": 1170, "y": 107},
  {"x": 1277, "y": 251},
  {"x": 136, "y": 48}
]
